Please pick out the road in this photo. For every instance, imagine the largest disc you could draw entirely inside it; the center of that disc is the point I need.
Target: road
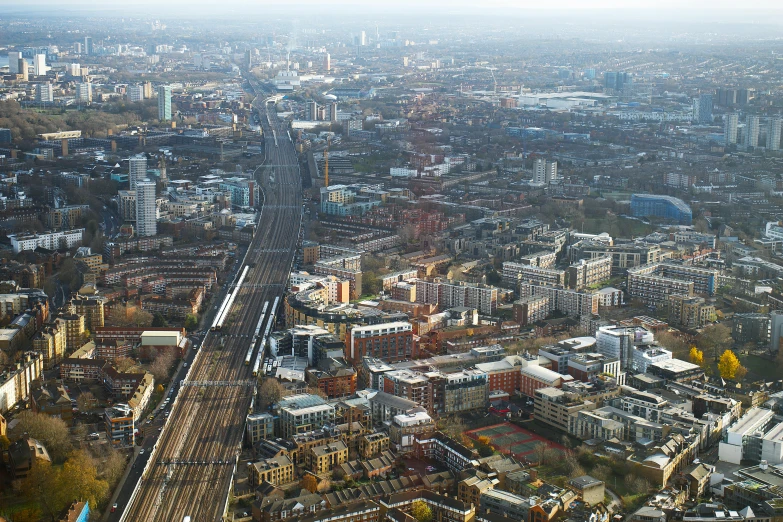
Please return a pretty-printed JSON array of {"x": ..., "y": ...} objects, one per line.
[{"x": 190, "y": 470}]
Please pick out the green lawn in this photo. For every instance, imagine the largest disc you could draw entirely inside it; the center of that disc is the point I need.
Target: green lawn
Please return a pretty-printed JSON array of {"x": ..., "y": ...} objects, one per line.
[{"x": 759, "y": 367}]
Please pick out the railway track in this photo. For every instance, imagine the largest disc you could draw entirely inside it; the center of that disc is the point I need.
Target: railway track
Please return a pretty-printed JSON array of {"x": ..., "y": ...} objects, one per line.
[{"x": 190, "y": 470}]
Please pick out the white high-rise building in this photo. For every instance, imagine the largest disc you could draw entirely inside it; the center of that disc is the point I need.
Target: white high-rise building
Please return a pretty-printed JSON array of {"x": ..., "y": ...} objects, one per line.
[
  {"x": 137, "y": 170},
  {"x": 752, "y": 131},
  {"x": 84, "y": 92},
  {"x": 544, "y": 171},
  {"x": 44, "y": 92},
  {"x": 730, "y": 129},
  {"x": 74, "y": 69},
  {"x": 135, "y": 93},
  {"x": 363, "y": 38},
  {"x": 773, "y": 133},
  {"x": 39, "y": 65},
  {"x": 146, "y": 212}
]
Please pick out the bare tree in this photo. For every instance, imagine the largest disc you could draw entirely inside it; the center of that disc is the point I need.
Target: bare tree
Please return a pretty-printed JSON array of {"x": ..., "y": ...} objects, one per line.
[
  {"x": 85, "y": 401},
  {"x": 161, "y": 364}
]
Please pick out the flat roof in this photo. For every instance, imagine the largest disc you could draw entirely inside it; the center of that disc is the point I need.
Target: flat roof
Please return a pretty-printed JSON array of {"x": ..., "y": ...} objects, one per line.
[{"x": 750, "y": 420}]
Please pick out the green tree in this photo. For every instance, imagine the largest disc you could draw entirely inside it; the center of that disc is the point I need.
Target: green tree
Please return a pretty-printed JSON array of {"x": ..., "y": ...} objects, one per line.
[
  {"x": 158, "y": 321},
  {"x": 191, "y": 322},
  {"x": 421, "y": 511}
]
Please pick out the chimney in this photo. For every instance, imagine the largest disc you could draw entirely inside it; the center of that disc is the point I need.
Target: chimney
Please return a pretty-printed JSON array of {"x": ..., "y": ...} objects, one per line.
[{"x": 65, "y": 147}]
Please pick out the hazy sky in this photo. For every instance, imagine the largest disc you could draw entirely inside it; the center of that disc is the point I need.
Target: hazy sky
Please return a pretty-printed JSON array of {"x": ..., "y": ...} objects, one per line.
[
  {"x": 698, "y": 11},
  {"x": 447, "y": 4}
]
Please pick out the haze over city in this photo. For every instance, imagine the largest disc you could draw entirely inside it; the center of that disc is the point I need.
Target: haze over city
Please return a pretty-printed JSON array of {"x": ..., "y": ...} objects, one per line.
[{"x": 404, "y": 261}]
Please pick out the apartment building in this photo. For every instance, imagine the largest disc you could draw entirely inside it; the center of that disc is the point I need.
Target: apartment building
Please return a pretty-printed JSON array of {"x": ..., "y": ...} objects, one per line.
[
  {"x": 515, "y": 273},
  {"x": 690, "y": 311},
  {"x": 92, "y": 308},
  {"x": 534, "y": 377},
  {"x": 405, "y": 427},
  {"x": 49, "y": 240},
  {"x": 465, "y": 390},
  {"x": 321, "y": 460},
  {"x": 447, "y": 294},
  {"x": 390, "y": 342},
  {"x": 560, "y": 353},
  {"x": 119, "y": 422},
  {"x": 276, "y": 470},
  {"x": 569, "y": 302},
  {"x": 587, "y": 367},
  {"x": 445, "y": 450},
  {"x": 624, "y": 256},
  {"x": 587, "y": 273},
  {"x": 16, "y": 382},
  {"x": 529, "y": 310},
  {"x": 259, "y": 426},
  {"x": 443, "y": 507},
  {"x": 499, "y": 502},
  {"x": 470, "y": 489},
  {"x": 653, "y": 283},
  {"x": 303, "y": 413},
  {"x": 555, "y": 407},
  {"x": 373, "y": 444}
]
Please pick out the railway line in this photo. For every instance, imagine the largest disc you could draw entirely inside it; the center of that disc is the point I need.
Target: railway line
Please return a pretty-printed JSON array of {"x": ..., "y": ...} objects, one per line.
[{"x": 190, "y": 469}]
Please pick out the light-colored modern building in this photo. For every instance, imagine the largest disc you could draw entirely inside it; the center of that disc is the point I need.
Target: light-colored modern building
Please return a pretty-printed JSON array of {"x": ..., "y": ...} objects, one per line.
[
  {"x": 745, "y": 439},
  {"x": 146, "y": 208},
  {"x": 47, "y": 240},
  {"x": 303, "y": 413},
  {"x": 137, "y": 170}
]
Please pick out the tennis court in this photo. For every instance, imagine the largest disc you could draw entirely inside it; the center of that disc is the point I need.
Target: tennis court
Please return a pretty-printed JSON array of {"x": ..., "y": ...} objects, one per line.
[{"x": 509, "y": 438}]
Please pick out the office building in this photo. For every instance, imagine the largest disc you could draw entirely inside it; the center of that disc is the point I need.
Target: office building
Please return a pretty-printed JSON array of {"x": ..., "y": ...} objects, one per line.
[
  {"x": 39, "y": 65},
  {"x": 88, "y": 48},
  {"x": 363, "y": 38},
  {"x": 5, "y": 135},
  {"x": 752, "y": 131},
  {"x": 667, "y": 207},
  {"x": 13, "y": 62},
  {"x": 730, "y": 128},
  {"x": 137, "y": 170},
  {"x": 146, "y": 210},
  {"x": 544, "y": 171},
  {"x": 553, "y": 406},
  {"x": 702, "y": 109},
  {"x": 773, "y": 133},
  {"x": 135, "y": 93},
  {"x": 164, "y": 103},
  {"x": 44, "y": 93},
  {"x": 327, "y": 62}
]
